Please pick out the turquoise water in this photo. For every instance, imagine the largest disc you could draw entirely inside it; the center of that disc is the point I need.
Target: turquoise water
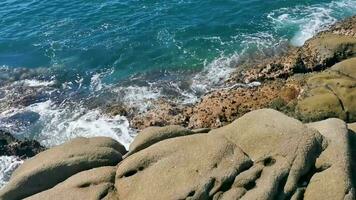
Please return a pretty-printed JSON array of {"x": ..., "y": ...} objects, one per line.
[
  {"x": 63, "y": 61},
  {"x": 130, "y": 37}
]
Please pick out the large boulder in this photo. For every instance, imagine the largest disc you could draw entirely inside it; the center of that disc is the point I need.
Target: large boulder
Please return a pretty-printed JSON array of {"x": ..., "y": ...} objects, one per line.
[
  {"x": 93, "y": 184},
  {"x": 330, "y": 94},
  {"x": 53, "y": 166},
  {"x": 262, "y": 155},
  {"x": 333, "y": 179},
  {"x": 282, "y": 159},
  {"x": 191, "y": 167},
  {"x": 325, "y": 50},
  {"x": 151, "y": 135},
  {"x": 283, "y": 150}
]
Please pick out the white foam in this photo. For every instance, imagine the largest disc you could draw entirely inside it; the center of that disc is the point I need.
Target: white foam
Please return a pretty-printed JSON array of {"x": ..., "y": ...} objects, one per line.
[
  {"x": 8, "y": 164},
  {"x": 311, "y": 19},
  {"x": 57, "y": 125},
  {"x": 140, "y": 97},
  {"x": 214, "y": 73},
  {"x": 259, "y": 41},
  {"x": 34, "y": 83},
  {"x": 96, "y": 83}
]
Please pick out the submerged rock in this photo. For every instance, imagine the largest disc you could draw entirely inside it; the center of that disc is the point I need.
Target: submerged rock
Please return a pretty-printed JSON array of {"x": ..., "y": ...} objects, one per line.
[
  {"x": 262, "y": 155},
  {"x": 10, "y": 146}
]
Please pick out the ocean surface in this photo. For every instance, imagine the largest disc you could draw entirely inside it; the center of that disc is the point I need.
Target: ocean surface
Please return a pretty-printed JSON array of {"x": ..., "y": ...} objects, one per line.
[{"x": 63, "y": 61}]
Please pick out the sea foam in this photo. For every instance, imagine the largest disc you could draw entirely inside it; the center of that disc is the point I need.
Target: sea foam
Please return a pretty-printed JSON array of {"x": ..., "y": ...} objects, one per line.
[
  {"x": 7, "y": 165},
  {"x": 309, "y": 20}
]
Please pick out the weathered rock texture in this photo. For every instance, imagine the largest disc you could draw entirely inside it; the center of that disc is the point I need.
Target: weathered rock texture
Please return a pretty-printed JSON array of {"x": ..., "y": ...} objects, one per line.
[
  {"x": 262, "y": 155},
  {"x": 283, "y": 81},
  {"x": 331, "y": 93},
  {"x": 320, "y": 52}
]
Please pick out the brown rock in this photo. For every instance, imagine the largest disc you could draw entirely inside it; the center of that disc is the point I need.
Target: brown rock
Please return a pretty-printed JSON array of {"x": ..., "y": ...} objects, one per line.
[{"x": 320, "y": 52}]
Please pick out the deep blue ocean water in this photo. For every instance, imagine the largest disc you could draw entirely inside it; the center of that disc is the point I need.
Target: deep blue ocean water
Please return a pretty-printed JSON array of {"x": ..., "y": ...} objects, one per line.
[{"x": 62, "y": 61}]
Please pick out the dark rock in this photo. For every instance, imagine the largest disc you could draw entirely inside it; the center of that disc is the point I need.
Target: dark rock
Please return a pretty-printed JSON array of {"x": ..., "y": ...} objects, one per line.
[{"x": 10, "y": 146}]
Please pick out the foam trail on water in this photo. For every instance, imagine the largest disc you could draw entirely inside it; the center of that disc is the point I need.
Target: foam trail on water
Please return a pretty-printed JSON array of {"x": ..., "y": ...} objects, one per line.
[{"x": 35, "y": 83}]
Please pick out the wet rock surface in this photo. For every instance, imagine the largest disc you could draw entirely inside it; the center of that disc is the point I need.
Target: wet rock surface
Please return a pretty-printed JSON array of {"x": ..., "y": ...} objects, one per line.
[
  {"x": 10, "y": 146},
  {"x": 318, "y": 53},
  {"x": 262, "y": 155},
  {"x": 310, "y": 83}
]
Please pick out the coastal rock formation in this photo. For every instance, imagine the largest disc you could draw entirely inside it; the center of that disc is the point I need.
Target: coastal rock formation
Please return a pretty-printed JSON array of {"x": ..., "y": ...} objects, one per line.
[
  {"x": 164, "y": 113},
  {"x": 331, "y": 93},
  {"x": 222, "y": 107},
  {"x": 294, "y": 83},
  {"x": 320, "y": 52},
  {"x": 91, "y": 184},
  {"x": 53, "y": 166},
  {"x": 151, "y": 135},
  {"x": 345, "y": 27},
  {"x": 333, "y": 165},
  {"x": 262, "y": 155},
  {"x": 10, "y": 146}
]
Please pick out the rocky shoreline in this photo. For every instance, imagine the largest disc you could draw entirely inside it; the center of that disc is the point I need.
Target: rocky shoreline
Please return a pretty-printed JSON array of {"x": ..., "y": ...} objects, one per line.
[
  {"x": 287, "y": 83},
  {"x": 291, "y": 136},
  {"x": 262, "y": 155}
]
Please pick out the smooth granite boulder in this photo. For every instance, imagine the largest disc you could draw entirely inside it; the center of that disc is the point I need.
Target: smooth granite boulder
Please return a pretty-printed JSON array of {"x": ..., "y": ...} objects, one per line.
[
  {"x": 282, "y": 148},
  {"x": 333, "y": 177},
  {"x": 262, "y": 155},
  {"x": 191, "y": 167},
  {"x": 53, "y": 166},
  {"x": 152, "y": 135},
  {"x": 93, "y": 184},
  {"x": 330, "y": 94},
  {"x": 282, "y": 159}
]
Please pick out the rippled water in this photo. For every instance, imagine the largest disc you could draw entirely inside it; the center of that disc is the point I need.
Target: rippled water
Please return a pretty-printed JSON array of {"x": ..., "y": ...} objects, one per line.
[{"x": 62, "y": 61}]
